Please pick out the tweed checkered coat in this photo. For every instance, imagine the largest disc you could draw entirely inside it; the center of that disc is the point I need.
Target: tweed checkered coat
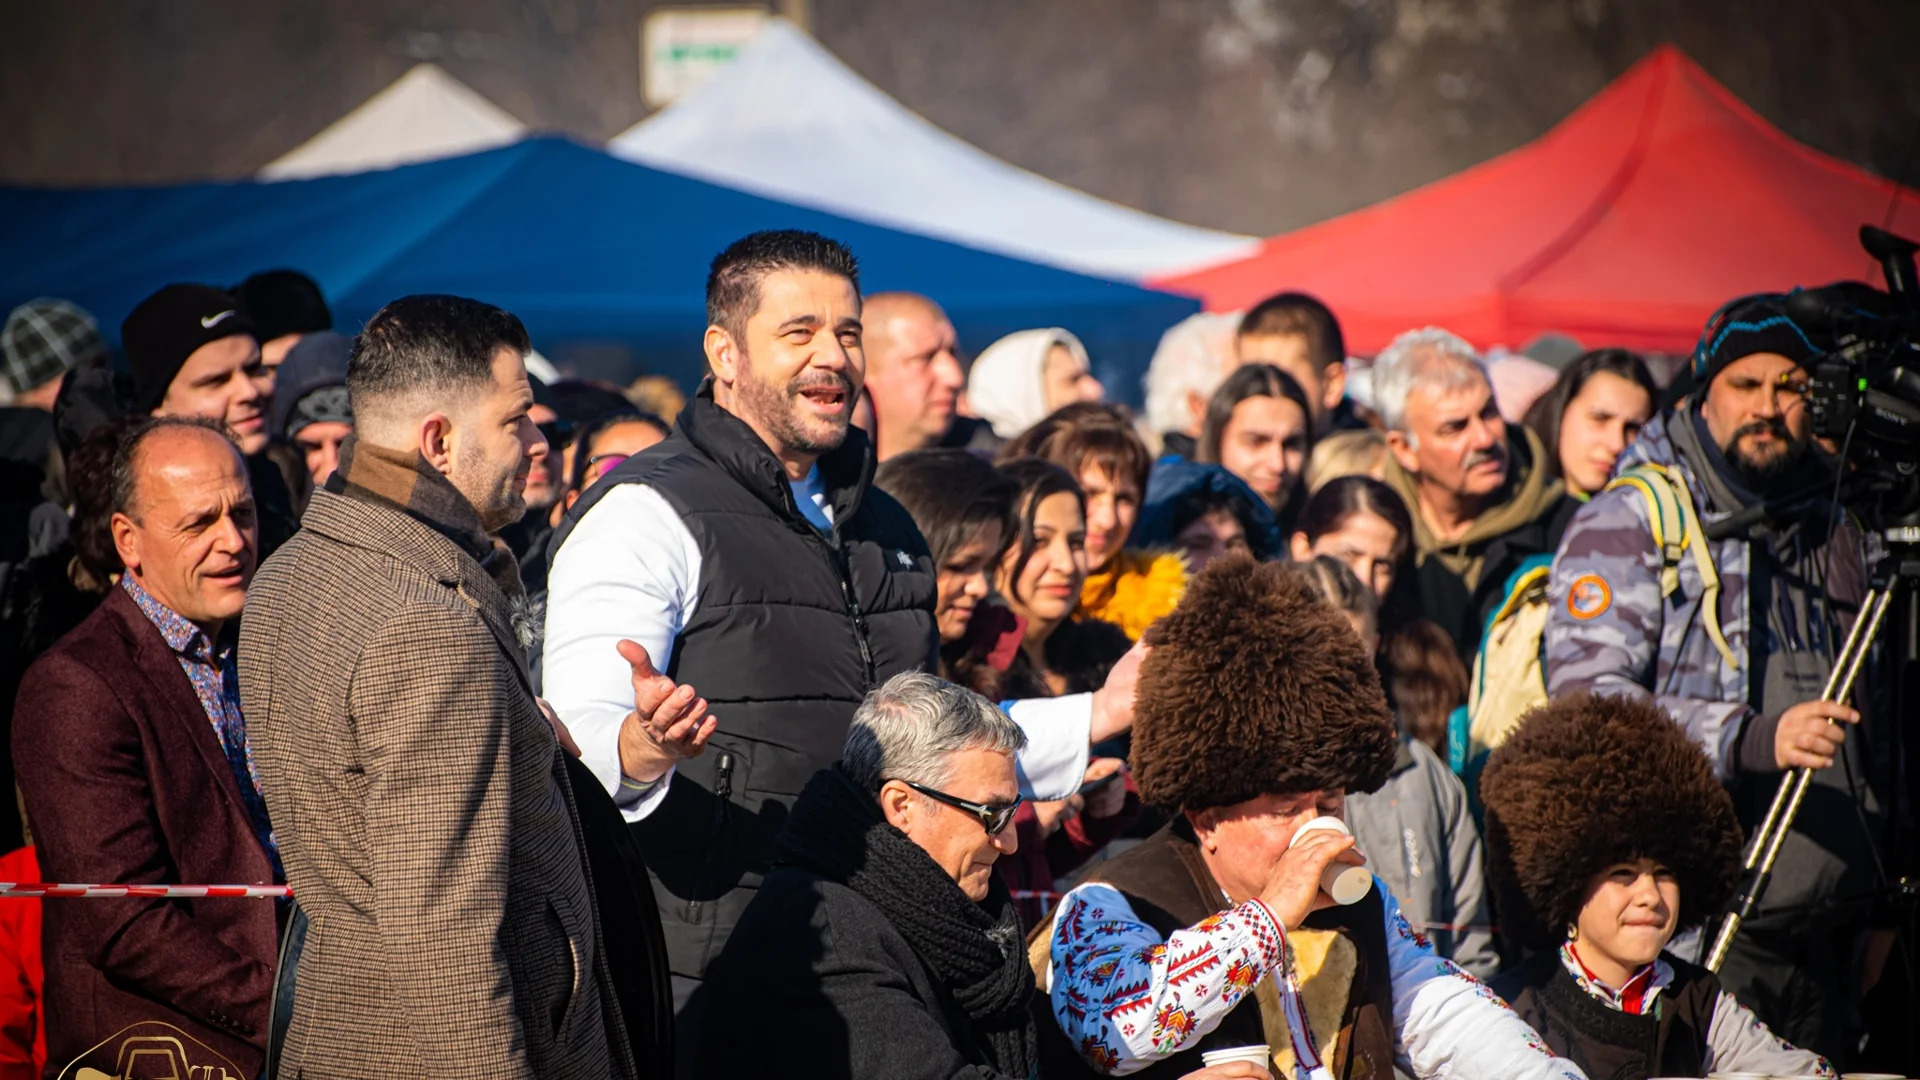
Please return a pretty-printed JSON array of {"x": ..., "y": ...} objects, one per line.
[{"x": 424, "y": 815}]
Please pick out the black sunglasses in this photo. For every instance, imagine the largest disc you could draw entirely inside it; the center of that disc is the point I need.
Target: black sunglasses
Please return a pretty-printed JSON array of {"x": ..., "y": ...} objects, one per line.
[{"x": 992, "y": 818}]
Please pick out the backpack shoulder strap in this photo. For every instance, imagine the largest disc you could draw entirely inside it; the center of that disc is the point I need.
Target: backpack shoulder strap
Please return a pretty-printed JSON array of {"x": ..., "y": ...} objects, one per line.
[{"x": 1678, "y": 534}]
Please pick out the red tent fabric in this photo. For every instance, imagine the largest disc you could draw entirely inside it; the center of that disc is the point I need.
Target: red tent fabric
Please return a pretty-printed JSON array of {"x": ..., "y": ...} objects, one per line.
[{"x": 1627, "y": 224}]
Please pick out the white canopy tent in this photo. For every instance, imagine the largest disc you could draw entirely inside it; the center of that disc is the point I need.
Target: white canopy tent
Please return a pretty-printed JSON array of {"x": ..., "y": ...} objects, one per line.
[
  {"x": 786, "y": 119},
  {"x": 424, "y": 114}
]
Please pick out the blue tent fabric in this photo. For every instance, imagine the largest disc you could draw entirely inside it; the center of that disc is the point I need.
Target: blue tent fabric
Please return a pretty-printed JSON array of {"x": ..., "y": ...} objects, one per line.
[{"x": 585, "y": 248}]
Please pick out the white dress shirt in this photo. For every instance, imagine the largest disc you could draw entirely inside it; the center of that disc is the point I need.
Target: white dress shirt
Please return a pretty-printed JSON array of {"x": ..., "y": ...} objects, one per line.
[{"x": 631, "y": 569}]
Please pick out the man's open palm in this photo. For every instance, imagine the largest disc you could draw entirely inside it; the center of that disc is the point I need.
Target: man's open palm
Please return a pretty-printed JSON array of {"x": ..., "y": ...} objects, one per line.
[{"x": 668, "y": 723}]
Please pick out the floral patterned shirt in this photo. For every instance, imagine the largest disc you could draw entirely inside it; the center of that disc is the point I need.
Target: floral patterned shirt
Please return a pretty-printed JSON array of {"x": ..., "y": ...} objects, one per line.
[
  {"x": 210, "y": 668},
  {"x": 1125, "y": 997},
  {"x": 1736, "y": 1039}
]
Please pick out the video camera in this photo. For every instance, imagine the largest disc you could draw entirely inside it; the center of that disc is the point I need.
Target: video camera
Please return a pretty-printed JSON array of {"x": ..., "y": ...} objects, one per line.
[{"x": 1864, "y": 394}]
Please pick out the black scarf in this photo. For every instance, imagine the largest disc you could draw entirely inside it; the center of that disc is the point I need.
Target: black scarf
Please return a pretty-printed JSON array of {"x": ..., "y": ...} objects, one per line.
[{"x": 977, "y": 951}]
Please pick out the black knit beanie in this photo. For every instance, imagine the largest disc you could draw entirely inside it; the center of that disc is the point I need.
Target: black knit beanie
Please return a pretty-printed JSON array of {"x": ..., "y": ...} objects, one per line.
[
  {"x": 282, "y": 302},
  {"x": 1753, "y": 324},
  {"x": 166, "y": 329}
]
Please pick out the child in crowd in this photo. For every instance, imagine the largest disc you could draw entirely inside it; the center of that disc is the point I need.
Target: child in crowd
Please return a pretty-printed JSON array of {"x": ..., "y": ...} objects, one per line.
[
  {"x": 1608, "y": 833},
  {"x": 1097, "y": 446}
]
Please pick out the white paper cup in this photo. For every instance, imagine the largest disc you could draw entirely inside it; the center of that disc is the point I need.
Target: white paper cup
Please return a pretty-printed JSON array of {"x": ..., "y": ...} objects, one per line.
[
  {"x": 1256, "y": 1055},
  {"x": 1345, "y": 882}
]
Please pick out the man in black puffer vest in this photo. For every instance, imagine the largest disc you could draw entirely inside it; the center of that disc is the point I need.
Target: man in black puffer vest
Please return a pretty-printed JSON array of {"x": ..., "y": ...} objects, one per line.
[{"x": 747, "y": 556}]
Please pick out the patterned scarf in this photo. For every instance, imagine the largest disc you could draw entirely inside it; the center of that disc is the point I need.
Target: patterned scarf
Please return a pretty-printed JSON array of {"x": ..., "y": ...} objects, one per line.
[
  {"x": 976, "y": 950},
  {"x": 403, "y": 480}
]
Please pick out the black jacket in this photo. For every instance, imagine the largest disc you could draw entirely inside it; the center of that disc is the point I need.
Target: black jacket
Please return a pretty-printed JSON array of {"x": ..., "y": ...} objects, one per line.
[
  {"x": 1608, "y": 1044},
  {"x": 791, "y": 630},
  {"x": 817, "y": 982}
]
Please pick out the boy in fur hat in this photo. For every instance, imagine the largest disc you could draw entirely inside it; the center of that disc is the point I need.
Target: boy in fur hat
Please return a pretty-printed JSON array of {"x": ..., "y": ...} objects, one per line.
[
  {"x": 1258, "y": 710},
  {"x": 1607, "y": 833}
]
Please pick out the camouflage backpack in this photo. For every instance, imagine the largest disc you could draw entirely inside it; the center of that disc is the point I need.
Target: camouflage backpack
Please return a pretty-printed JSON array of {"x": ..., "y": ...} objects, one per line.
[{"x": 1509, "y": 674}]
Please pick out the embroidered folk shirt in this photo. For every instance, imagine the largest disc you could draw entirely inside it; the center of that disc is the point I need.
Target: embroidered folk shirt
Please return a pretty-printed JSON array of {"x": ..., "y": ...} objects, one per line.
[{"x": 1125, "y": 997}]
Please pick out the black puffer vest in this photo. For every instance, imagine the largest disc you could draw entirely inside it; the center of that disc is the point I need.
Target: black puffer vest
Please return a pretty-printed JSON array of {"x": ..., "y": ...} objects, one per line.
[
  {"x": 1609, "y": 1044},
  {"x": 790, "y": 630}
]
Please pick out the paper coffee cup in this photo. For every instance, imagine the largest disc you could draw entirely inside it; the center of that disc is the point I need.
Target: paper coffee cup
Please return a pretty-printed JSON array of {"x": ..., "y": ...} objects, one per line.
[
  {"x": 1256, "y": 1055},
  {"x": 1345, "y": 882}
]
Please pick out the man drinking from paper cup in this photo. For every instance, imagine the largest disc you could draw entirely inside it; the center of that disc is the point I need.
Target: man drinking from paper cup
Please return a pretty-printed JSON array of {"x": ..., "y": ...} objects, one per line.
[{"x": 1258, "y": 710}]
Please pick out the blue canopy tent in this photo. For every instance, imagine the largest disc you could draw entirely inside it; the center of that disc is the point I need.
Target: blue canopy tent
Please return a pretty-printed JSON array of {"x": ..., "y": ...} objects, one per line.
[{"x": 585, "y": 248}]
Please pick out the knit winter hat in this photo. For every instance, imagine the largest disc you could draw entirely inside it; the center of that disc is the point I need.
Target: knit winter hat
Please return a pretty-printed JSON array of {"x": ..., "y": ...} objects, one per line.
[
  {"x": 282, "y": 302},
  {"x": 1256, "y": 686},
  {"x": 44, "y": 339},
  {"x": 1588, "y": 781},
  {"x": 166, "y": 329},
  {"x": 1753, "y": 324},
  {"x": 311, "y": 384}
]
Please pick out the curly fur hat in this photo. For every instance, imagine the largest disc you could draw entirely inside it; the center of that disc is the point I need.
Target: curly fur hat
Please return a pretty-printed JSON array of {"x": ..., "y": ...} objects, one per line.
[
  {"x": 1585, "y": 782},
  {"x": 1256, "y": 686}
]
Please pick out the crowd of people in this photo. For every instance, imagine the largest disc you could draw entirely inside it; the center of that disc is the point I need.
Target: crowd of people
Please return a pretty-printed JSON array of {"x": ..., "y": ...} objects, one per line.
[{"x": 873, "y": 713}]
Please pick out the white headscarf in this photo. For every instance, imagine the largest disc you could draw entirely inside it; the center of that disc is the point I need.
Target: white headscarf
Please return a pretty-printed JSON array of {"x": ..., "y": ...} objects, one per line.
[{"x": 1008, "y": 385}]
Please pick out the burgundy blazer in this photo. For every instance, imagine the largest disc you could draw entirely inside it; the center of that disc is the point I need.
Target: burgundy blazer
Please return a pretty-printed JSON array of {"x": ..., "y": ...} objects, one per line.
[{"x": 125, "y": 781}]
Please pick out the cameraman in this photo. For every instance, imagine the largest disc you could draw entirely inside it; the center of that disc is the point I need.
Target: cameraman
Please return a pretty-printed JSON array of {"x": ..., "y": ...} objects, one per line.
[{"x": 1743, "y": 675}]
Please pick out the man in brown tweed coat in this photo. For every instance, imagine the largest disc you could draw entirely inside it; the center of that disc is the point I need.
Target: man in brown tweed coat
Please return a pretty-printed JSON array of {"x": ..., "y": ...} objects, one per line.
[{"x": 420, "y": 795}]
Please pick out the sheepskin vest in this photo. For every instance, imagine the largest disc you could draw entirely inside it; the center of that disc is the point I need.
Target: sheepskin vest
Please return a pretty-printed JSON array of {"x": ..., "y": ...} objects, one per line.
[
  {"x": 1609, "y": 1044},
  {"x": 790, "y": 630},
  {"x": 1340, "y": 956}
]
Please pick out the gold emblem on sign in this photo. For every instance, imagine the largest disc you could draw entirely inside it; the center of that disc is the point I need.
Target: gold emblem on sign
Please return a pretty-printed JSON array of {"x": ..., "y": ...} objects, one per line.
[{"x": 153, "y": 1050}]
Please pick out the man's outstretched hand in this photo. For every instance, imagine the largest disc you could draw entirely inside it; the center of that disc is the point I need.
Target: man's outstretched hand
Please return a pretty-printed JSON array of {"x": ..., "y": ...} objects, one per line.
[
  {"x": 1113, "y": 702},
  {"x": 668, "y": 723}
]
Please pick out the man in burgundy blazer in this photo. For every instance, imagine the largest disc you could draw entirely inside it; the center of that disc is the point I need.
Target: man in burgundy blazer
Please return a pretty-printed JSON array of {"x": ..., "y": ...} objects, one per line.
[{"x": 131, "y": 760}]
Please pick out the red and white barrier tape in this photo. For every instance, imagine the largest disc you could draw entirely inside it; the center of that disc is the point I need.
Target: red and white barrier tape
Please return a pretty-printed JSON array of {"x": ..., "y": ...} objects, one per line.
[{"x": 41, "y": 889}]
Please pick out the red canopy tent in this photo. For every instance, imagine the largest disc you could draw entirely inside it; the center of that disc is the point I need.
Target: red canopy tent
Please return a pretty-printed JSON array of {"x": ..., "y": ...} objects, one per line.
[{"x": 1627, "y": 224}]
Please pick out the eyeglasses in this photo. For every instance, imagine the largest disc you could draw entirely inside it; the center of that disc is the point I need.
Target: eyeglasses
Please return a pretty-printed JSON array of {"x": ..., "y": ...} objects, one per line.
[{"x": 992, "y": 818}]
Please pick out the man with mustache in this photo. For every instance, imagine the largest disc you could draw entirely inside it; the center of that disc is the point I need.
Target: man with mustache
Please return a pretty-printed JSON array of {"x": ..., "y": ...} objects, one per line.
[
  {"x": 1740, "y": 667},
  {"x": 748, "y": 559},
  {"x": 1477, "y": 488},
  {"x": 194, "y": 352},
  {"x": 135, "y": 767}
]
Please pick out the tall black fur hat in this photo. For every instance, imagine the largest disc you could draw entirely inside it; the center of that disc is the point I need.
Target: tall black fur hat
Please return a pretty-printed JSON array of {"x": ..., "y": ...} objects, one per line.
[
  {"x": 1256, "y": 686},
  {"x": 1586, "y": 782}
]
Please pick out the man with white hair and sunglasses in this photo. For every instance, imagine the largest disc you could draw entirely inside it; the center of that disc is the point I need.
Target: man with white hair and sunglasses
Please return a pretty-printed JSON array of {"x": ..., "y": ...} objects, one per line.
[{"x": 1479, "y": 490}]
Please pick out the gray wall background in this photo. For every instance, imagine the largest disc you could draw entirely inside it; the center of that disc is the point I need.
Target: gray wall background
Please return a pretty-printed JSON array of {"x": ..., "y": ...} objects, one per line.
[{"x": 1251, "y": 115}]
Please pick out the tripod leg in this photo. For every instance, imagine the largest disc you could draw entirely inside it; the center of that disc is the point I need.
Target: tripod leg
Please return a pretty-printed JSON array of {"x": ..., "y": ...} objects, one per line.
[
  {"x": 1856, "y": 643},
  {"x": 1793, "y": 788}
]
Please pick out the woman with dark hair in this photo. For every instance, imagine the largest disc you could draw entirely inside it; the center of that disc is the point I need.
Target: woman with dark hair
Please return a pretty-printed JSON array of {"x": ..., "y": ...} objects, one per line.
[
  {"x": 1362, "y": 524},
  {"x": 1032, "y": 647},
  {"x": 1260, "y": 427},
  {"x": 1039, "y": 579},
  {"x": 964, "y": 507},
  {"x": 1593, "y": 411},
  {"x": 1097, "y": 446},
  {"x": 1359, "y": 521}
]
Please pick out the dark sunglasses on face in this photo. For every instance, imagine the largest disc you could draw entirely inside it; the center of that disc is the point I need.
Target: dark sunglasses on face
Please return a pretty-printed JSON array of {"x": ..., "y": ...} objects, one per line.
[
  {"x": 992, "y": 818},
  {"x": 557, "y": 433}
]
